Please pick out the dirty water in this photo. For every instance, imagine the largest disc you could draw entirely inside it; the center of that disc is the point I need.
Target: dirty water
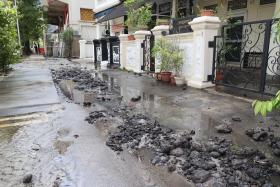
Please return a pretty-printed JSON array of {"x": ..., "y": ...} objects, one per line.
[
  {"x": 178, "y": 109},
  {"x": 175, "y": 109},
  {"x": 67, "y": 151}
]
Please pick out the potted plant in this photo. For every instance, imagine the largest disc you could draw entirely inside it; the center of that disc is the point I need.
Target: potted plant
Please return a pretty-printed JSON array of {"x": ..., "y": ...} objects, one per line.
[
  {"x": 222, "y": 60},
  {"x": 137, "y": 18},
  {"x": 176, "y": 56},
  {"x": 68, "y": 37},
  {"x": 161, "y": 51},
  {"x": 207, "y": 12},
  {"x": 132, "y": 17},
  {"x": 157, "y": 76},
  {"x": 144, "y": 14}
]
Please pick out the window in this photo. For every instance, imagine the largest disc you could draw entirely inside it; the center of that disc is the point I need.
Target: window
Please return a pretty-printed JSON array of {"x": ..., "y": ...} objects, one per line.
[
  {"x": 264, "y": 2},
  {"x": 237, "y": 4},
  {"x": 165, "y": 8},
  {"x": 182, "y": 3},
  {"x": 184, "y": 8},
  {"x": 86, "y": 14}
]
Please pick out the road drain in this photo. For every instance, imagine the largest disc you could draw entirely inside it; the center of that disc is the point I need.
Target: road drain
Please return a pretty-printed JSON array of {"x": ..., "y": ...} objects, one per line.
[{"x": 21, "y": 120}]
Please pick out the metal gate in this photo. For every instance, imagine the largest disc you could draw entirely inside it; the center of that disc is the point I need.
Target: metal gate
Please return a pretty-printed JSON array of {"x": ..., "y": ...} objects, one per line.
[
  {"x": 55, "y": 46},
  {"x": 148, "y": 59},
  {"x": 116, "y": 52},
  {"x": 247, "y": 56}
]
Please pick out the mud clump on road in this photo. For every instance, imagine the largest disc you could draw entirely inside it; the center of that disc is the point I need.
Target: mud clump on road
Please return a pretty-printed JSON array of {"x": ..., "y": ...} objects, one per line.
[
  {"x": 83, "y": 78},
  {"x": 217, "y": 161},
  {"x": 223, "y": 128},
  {"x": 95, "y": 115},
  {"x": 265, "y": 135},
  {"x": 27, "y": 179}
]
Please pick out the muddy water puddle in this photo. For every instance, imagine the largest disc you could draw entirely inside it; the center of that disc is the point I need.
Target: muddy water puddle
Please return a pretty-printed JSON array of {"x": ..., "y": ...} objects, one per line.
[
  {"x": 9, "y": 125},
  {"x": 196, "y": 112},
  {"x": 7, "y": 133}
]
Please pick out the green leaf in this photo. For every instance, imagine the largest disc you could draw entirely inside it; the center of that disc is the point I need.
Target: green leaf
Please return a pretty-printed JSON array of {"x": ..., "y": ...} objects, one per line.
[
  {"x": 269, "y": 106},
  {"x": 263, "y": 109},
  {"x": 257, "y": 107}
]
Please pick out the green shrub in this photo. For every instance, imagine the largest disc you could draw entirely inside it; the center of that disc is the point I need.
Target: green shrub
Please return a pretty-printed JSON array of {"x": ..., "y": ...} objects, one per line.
[
  {"x": 9, "y": 48},
  {"x": 68, "y": 37},
  {"x": 138, "y": 17},
  {"x": 170, "y": 55}
]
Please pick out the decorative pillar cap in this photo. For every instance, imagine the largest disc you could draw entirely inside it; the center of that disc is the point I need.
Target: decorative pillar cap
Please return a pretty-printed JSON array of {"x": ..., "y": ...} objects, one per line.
[
  {"x": 140, "y": 35},
  {"x": 123, "y": 37},
  {"x": 205, "y": 22},
  {"x": 82, "y": 41},
  {"x": 142, "y": 32},
  {"x": 161, "y": 28},
  {"x": 205, "y": 19}
]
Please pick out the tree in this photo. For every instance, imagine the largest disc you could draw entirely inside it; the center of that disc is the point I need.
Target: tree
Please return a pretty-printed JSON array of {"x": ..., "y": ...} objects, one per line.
[
  {"x": 68, "y": 37},
  {"x": 31, "y": 22},
  {"x": 8, "y": 36}
]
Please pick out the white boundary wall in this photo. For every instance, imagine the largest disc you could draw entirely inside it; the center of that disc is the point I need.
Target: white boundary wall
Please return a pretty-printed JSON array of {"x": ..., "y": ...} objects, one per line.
[
  {"x": 198, "y": 57},
  {"x": 131, "y": 52},
  {"x": 86, "y": 49}
]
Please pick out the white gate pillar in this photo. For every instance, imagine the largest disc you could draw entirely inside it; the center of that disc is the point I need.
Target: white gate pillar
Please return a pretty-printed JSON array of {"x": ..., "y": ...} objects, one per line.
[
  {"x": 123, "y": 41},
  {"x": 204, "y": 30},
  {"x": 139, "y": 39},
  {"x": 82, "y": 48},
  {"x": 159, "y": 31}
]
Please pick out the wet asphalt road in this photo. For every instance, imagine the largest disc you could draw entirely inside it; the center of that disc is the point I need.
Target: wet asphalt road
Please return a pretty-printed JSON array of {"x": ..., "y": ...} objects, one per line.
[
  {"x": 43, "y": 133},
  {"x": 52, "y": 141}
]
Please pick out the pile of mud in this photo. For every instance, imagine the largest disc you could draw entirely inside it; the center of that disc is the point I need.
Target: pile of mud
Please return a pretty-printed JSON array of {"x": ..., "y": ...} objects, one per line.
[
  {"x": 265, "y": 135},
  {"x": 218, "y": 162},
  {"x": 83, "y": 78}
]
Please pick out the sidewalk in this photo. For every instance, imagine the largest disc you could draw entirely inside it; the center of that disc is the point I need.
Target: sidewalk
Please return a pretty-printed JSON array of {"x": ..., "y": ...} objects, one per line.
[{"x": 29, "y": 88}]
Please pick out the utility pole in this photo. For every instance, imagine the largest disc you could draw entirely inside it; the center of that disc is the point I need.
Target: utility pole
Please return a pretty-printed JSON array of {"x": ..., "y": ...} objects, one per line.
[{"x": 19, "y": 40}]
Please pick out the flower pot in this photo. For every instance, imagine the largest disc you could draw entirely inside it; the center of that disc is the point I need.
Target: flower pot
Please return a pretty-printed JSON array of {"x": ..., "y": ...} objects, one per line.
[
  {"x": 172, "y": 80},
  {"x": 157, "y": 76},
  {"x": 219, "y": 75},
  {"x": 179, "y": 81},
  {"x": 130, "y": 37},
  {"x": 165, "y": 76},
  {"x": 207, "y": 12}
]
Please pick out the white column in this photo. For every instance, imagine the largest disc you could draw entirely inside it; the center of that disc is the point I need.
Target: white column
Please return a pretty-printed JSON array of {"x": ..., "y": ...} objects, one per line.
[
  {"x": 123, "y": 40},
  {"x": 98, "y": 32},
  {"x": 204, "y": 30},
  {"x": 158, "y": 32},
  {"x": 82, "y": 48},
  {"x": 139, "y": 39}
]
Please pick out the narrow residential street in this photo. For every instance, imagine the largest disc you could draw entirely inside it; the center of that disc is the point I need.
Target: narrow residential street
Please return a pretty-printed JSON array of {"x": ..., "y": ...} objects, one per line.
[{"x": 98, "y": 127}]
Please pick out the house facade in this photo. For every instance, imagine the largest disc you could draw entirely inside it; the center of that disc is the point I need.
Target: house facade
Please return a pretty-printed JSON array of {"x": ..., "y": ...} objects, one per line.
[
  {"x": 78, "y": 15},
  {"x": 236, "y": 48},
  {"x": 102, "y": 9}
]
